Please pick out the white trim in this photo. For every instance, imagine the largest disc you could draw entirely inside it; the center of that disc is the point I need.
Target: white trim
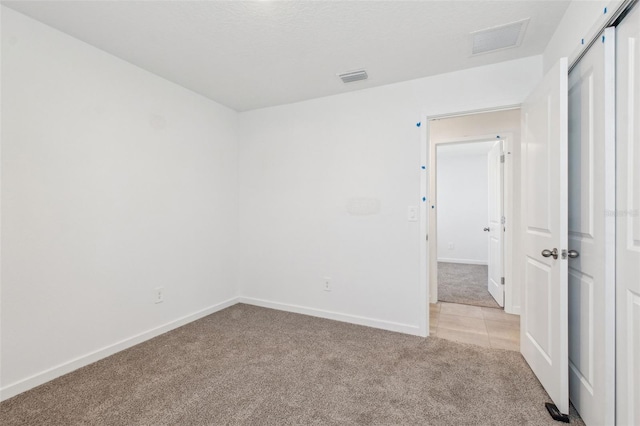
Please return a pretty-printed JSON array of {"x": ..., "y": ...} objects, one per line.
[
  {"x": 81, "y": 361},
  {"x": 472, "y": 112},
  {"x": 514, "y": 311},
  {"x": 423, "y": 290},
  {"x": 615, "y": 9},
  {"x": 610, "y": 222},
  {"x": 463, "y": 261},
  {"x": 337, "y": 316},
  {"x": 511, "y": 306}
]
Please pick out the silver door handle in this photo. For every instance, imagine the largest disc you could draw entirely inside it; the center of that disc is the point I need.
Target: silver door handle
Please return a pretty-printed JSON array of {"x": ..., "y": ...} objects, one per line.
[
  {"x": 550, "y": 253},
  {"x": 486, "y": 229},
  {"x": 573, "y": 254}
]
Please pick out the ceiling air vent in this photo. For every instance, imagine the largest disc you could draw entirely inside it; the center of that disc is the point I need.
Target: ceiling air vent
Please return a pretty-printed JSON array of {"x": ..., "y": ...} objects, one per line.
[
  {"x": 498, "y": 38},
  {"x": 350, "y": 77}
]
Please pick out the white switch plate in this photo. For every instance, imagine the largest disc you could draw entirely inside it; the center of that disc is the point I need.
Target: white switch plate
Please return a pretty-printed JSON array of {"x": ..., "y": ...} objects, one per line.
[{"x": 412, "y": 213}]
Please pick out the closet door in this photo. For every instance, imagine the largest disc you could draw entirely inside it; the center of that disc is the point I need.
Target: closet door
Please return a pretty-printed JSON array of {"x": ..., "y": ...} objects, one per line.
[
  {"x": 628, "y": 220},
  {"x": 592, "y": 233}
]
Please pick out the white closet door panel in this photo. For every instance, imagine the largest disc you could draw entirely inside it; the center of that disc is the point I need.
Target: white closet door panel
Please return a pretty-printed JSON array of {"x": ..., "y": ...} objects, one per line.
[
  {"x": 592, "y": 233},
  {"x": 628, "y": 220}
]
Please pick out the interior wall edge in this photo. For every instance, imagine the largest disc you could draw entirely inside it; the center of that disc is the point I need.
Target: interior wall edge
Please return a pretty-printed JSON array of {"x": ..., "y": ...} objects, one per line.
[{"x": 336, "y": 316}]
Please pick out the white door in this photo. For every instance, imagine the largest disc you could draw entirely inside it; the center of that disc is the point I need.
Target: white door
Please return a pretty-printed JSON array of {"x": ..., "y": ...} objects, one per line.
[
  {"x": 495, "y": 228},
  {"x": 592, "y": 233},
  {"x": 628, "y": 220},
  {"x": 543, "y": 321}
]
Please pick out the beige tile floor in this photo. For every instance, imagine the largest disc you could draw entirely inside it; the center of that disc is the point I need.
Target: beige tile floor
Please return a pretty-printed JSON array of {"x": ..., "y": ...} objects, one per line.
[{"x": 488, "y": 327}]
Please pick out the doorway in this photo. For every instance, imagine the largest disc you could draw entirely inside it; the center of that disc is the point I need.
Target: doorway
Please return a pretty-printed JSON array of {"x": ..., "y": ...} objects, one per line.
[
  {"x": 458, "y": 139},
  {"x": 468, "y": 223},
  {"x": 498, "y": 129}
]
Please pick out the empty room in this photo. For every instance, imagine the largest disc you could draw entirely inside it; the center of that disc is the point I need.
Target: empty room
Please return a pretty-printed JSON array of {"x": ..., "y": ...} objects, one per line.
[{"x": 268, "y": 212}]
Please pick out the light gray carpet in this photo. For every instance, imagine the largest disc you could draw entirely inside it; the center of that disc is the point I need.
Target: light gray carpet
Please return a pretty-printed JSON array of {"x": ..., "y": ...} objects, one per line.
[
  {"x": 253, "y": 366},
  {"x": 465, "y": 284}
]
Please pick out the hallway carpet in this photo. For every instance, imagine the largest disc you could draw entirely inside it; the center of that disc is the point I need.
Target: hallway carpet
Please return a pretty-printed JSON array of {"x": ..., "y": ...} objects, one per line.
[
  {"x": 464, "y": 284},
  {"x": 254, "y": 366}
]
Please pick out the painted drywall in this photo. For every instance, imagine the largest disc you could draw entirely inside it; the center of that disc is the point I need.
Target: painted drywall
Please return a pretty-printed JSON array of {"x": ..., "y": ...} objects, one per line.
[
  {"x": 114, "y": 182},
  {"x": 581, "y": 21},
  {"x": 506, "y": 125},
  {"x": 463, "y": 203},
  {"x": 325, "y": 187}
]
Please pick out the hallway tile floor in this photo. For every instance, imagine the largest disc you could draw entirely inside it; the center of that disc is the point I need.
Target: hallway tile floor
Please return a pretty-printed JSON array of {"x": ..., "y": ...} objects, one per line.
[{"x": 487, "y": 327}]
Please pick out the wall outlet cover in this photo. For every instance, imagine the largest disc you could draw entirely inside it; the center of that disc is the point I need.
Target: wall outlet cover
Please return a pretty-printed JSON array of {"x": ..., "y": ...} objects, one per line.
[
  {"x": 327, "y": 284},
  {"x": 159, "y": 294}
]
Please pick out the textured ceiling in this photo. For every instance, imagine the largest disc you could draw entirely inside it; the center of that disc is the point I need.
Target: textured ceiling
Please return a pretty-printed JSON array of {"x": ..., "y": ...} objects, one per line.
[{"x": 248, "y": 55}]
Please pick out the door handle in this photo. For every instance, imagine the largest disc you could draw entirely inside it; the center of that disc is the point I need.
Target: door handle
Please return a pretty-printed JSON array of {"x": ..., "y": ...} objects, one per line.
[
  {"x": 486, "y": 229},
  {"x": 573, "y": 254},
  {"x": 550, "y": 253}
]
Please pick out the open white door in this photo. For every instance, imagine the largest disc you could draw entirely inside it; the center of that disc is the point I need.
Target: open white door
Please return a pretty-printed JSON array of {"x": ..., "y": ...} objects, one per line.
[
  {"x": 544, "y": 317},
  {"x": 496, "y": 229},
  {"x": 592, "y": 233},
  {"x": 628, "y": 220}
]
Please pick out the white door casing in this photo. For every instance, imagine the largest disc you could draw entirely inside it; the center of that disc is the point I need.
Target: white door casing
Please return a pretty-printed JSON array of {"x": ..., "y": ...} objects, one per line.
[
  {"x": 628, "y": 220},
  {"x": 592, "y": 233},
  {"x": 496, "y": 232},
  {"x": 543, "y": 332}
]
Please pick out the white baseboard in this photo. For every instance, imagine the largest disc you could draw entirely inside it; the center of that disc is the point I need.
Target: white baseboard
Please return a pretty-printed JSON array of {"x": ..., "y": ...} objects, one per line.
[
  {"x": 466, "y": 261},
  {"x": 67, "y": 367},
  {"x": 31, "y": 382},
  {"x": 513, "y": 310},
  {"x": 353, "y": 319}
]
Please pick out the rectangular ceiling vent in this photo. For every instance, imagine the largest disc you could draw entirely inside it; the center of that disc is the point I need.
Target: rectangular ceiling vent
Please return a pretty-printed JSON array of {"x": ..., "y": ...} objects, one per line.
[
  {"x": 498, "y": 38},
  {"x": 350, "y": 77}
]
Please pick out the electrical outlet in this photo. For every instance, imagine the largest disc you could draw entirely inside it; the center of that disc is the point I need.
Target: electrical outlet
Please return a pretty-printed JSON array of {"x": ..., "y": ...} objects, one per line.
[
  {"x": 159, "y": 294},
  {"x": 451, "y": 246},
  {"x": 327, "y": 284}
]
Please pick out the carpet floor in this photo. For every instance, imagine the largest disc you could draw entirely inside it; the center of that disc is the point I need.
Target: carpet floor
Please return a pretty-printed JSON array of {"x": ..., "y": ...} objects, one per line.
[
  {"x": 464, "y": 284},
  {"x": 253, "y": 366}
]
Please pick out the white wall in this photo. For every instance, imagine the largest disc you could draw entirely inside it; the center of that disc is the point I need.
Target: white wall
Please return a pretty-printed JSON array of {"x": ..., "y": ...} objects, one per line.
[
  {"x": 581, "y": 20},
  {"x": 462, "y": 204},
  {"x": 304, "y": 166},
  {"x": 114, "y": 182}
]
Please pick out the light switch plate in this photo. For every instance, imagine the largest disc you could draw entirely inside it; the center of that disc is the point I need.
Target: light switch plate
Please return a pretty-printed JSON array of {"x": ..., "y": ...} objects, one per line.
[{"x": 412, "y": 213}]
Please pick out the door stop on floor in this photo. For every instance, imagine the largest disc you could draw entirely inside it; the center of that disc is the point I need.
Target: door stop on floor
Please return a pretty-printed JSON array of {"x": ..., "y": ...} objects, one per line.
[{"x": 556, "y": 414}]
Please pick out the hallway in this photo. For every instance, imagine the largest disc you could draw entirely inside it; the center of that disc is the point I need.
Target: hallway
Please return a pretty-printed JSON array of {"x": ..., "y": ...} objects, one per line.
[{"x": 486, "y": 327}]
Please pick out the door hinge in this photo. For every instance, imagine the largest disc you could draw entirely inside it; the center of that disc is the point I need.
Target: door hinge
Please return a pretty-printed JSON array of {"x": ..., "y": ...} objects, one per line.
[
  {"x": 427, "y": 237},
  {"x": 502, "y": 280},
  {"x": 503, "y": 220},
  {"x": 502, "y": 158}
]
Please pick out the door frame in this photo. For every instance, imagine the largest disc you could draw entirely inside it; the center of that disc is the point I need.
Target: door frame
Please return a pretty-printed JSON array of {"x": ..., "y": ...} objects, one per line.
[
  {"x": 501, "y": 164},
  {"x": 507, "y": 139},
  {"x": 428, "y": 245}
]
